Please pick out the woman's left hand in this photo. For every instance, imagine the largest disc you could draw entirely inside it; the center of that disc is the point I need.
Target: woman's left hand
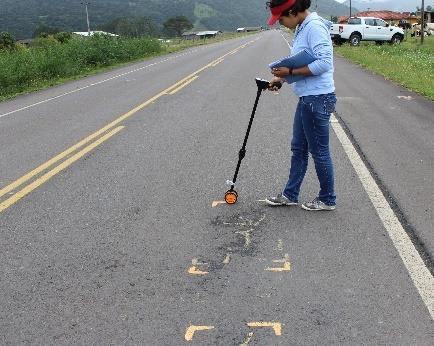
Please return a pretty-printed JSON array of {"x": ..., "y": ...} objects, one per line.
[{"x": 281, "y": 71}]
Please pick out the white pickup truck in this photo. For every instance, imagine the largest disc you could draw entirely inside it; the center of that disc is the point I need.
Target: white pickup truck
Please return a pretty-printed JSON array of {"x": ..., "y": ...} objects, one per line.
[{"x": 366, "y": 29}]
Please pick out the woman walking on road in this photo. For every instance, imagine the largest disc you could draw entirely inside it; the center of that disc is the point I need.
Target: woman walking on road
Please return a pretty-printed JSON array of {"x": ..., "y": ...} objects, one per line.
[{"x": 317, "y": 101}]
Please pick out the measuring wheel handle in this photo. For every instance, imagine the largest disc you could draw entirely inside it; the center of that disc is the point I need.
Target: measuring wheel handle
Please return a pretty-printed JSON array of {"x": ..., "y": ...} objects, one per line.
[{"x": 231, "y": 197}]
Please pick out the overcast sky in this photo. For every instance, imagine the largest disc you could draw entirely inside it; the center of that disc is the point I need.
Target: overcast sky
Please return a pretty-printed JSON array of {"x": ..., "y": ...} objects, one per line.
[
  {"x": 403, "y": 5},
  {"x": 412, "y": 3}
]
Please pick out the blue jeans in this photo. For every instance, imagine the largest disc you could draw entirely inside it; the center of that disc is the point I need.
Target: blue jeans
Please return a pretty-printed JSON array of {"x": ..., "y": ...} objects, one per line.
[{"x": 311, "y": 134}]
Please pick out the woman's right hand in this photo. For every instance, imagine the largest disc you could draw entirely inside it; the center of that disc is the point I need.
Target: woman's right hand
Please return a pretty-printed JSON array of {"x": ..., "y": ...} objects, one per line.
[{"x": 276, "y": 83}]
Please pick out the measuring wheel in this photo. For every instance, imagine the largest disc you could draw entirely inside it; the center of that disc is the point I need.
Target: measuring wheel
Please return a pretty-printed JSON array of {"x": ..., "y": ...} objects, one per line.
[{"x": 231, "y": 197}]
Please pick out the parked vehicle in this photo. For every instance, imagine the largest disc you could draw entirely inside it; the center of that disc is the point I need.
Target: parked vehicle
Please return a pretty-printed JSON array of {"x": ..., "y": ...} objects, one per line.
[{"x": 366, "y": 29}]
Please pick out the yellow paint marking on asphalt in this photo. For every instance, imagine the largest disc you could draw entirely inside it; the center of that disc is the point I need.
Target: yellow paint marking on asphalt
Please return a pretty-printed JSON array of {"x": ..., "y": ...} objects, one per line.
[
  {"x": 286, "y": 265},
  {"x": 38, "y": 182},
  {"x": 86, "y": 140},
  {"x": 49, "y": 163},
  {"x": 83, "y": 142},
  {"x": 194, "y": 271},
  {"x": 217, "y": 62},
  {"x": 216, "y": 203},
  {"x": 183, "y": 85},
  {"x": 277, "y": 327},
  {"x": 12, "y": 186},
  {"x": 193, "y": 329}
]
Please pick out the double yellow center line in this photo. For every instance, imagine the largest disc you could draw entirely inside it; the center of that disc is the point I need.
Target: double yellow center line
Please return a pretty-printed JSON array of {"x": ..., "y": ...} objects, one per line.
[
  {"x": 111, "y": 129},
  {"x": 41, "y": 180}
]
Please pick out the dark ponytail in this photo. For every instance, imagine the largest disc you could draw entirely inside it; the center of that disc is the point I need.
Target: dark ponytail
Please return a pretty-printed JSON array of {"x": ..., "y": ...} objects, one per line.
[{"x": 299, "y": 6}]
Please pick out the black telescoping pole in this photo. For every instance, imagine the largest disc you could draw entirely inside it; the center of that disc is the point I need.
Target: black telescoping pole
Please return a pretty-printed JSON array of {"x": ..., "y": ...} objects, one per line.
[{"x": 242, "y": 152}]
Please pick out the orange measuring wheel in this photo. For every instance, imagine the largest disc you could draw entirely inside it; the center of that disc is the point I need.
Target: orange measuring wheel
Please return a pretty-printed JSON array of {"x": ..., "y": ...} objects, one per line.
[{"x": 231, "y": 197}]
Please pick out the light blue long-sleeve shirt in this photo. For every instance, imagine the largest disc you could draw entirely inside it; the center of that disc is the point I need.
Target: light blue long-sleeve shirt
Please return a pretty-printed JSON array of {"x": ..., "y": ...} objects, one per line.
[{"x": 314, "y": 35}]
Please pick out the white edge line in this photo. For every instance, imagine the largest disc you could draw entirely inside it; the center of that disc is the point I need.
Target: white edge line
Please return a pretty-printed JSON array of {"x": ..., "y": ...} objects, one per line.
[
  {"x": 91, "y": 85},
  {"x": 419, "y": 273},
  {"x": 287, "y": 42},
  {"x": 100, "y": 82}
]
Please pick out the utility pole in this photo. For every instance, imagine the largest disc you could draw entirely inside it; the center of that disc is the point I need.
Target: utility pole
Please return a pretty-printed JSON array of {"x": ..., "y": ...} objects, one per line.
[
  {"x": 350, "y": 8},
  {"x": 87, "y": 17},
  {"x": 422, "y": 24}
]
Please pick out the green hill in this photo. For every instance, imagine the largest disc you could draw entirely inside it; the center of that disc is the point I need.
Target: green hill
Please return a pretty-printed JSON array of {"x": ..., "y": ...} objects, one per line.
[{"x": 22, "y": 17}]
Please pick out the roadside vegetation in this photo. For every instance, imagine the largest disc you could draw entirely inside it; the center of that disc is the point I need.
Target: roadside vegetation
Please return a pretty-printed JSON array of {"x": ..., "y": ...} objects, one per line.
[
  {"x": 54, "y": 59},
  {"x": 49, "y": 61},
  {"x": 410, "y": 64}
]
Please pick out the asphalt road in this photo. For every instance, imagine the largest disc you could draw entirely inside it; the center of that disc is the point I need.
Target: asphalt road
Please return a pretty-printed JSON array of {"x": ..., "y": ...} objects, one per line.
[{"x": 115, "y": 240}]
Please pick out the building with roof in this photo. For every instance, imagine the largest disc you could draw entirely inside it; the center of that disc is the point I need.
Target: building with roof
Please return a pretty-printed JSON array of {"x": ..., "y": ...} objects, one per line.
[
  {"x": 389, "y": 16},
  {"x": 26, "y": 42},
  {"x": 191, "y": 35},
  {"x": 86, "y": 34},
  {"x": 208, "y": 34},
  {"x": 429, "y": 16}
]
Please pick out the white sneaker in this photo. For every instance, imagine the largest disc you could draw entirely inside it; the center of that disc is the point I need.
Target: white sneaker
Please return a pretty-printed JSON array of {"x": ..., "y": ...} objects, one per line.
[
  {"x": 317, "y": 205},
  {"x": 279, "y": 200}
]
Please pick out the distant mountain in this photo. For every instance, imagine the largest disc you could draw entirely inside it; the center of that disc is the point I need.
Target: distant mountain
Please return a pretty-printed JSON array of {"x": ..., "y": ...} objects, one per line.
[
  {"x": 22, "y": 17},
  {"x": 395, "y": 5}
]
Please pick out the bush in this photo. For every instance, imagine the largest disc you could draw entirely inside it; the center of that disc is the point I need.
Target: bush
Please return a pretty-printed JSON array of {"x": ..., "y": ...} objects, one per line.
[
  {"x": 48, "y": 59},
  {"x": 44, "y": 42},
  {"x": 63, "y": 37},
  {"x": 7, "y": 41}
]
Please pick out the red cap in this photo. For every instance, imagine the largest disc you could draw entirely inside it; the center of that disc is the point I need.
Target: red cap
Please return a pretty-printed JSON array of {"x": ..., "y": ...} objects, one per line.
[{"x": 276, "y": 11}]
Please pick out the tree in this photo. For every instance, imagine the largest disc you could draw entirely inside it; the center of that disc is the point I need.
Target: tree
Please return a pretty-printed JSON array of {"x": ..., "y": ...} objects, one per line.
[
  {"x": 7, "y": 41},
  {"x": 429, "y": 8},
  {"x": 126, "y": 28},
  {"x": 177, "y": 25},
  {"x": 132, "y": 27},
  {"x": 145, "y": 26}
]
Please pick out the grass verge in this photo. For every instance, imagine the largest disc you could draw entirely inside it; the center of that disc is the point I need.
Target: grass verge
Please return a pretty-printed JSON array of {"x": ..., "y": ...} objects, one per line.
[
  {"x": 50, "y": 63},
  {"x": 409, "y": 64}
]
